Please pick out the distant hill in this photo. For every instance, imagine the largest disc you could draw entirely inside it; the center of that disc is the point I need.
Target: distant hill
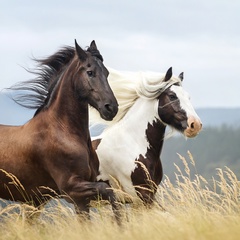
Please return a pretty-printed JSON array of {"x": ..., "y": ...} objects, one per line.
[{"x": 11, "y": 113}]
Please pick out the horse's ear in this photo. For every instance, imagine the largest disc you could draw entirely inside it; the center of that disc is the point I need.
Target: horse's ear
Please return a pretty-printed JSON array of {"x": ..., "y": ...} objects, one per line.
[
  {"x": 80, "y": 52},
  {"x": 181, "y": 76},
  {"x": 168, "y": 75},
  {"x": 93, "y": 44}
]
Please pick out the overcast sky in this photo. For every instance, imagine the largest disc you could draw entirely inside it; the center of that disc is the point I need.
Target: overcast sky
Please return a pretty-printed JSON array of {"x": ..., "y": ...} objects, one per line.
[{"x": 201, "y": 38}]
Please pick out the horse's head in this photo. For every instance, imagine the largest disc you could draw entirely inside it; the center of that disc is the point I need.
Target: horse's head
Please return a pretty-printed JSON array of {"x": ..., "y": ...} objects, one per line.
[
  {"x": 91, "y": 82},
  {"x": 176, "y": 110}
]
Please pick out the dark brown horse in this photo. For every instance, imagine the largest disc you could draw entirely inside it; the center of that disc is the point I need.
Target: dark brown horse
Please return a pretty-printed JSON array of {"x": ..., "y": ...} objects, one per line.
[
  {"x": 129, "y": 150},
  {"x": 52, "y": 155}
]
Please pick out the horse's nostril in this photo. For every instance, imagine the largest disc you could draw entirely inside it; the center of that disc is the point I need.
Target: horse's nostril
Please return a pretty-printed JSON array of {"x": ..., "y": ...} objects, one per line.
[
  {"x": 192, "y": 125},
  {"x": 108, "y": 107}
]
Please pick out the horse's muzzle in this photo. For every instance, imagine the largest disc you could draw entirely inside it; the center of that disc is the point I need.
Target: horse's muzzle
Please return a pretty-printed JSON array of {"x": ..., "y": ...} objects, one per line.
[
  {"x": 109, "y": 111},
  {"x": 194, "y": 127}
]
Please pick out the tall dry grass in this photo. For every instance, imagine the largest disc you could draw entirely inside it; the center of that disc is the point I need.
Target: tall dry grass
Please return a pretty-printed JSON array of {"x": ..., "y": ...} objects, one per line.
[{"x": 196, "y": 208}]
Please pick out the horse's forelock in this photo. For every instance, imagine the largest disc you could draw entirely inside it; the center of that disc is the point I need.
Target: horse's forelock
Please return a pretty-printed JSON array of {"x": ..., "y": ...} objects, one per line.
[{"x": 153, "y": 84}]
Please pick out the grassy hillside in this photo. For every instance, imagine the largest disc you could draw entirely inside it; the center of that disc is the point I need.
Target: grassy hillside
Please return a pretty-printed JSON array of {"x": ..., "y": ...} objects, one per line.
[
  {"x": 214, "y": 147},
  {"x": 194, "y": 210}
]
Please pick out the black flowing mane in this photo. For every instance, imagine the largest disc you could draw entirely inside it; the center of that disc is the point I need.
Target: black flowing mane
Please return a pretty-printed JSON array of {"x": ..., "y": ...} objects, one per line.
[{"x": 35, "y": 93}]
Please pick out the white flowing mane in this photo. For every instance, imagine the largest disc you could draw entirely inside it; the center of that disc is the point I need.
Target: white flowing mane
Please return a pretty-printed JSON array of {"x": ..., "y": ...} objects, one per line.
[{"x": 129, "y": 86}]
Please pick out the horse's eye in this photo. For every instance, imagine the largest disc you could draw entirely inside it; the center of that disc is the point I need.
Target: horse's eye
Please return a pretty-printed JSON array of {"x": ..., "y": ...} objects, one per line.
[
  {"x": 172, "y": 97},
  {"x": 90, "y": 73}
]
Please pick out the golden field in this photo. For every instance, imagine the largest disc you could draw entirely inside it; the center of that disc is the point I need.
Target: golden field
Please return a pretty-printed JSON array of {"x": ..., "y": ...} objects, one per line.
[{"x": 195, "y": 209}]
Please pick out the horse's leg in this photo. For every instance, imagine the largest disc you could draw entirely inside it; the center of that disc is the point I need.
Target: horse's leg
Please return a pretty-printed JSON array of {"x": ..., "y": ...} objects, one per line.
[
  {"x": 148, "y": 196},
  {"x": 82, "y": 192},
  {"x": 106, "y": 193}
]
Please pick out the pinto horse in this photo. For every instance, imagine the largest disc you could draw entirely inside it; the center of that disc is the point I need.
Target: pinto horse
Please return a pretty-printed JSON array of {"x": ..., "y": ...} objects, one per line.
[
  {"x": 52, "y": 155},
  {"x": 129, "y": 148}
]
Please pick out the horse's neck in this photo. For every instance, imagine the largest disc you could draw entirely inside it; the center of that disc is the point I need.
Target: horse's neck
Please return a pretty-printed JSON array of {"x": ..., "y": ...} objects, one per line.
[
  {"x": 155, "y": 135},
  {"x": 70, "y": 111},
  {"x": 143, "y": 124}
]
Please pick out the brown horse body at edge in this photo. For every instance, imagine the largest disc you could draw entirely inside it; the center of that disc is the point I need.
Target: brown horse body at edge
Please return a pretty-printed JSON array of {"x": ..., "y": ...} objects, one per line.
[{"x": 52, "y": 153}]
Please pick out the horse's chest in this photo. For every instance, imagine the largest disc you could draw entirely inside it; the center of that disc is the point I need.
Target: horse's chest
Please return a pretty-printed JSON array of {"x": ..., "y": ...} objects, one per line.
[
  {"x": 117, "y": 159},
  {"x": 128, "y": 156}
]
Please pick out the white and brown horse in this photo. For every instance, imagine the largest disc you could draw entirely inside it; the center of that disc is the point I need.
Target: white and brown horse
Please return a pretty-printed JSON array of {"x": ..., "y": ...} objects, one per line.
[{"x": 129, "y": 148}]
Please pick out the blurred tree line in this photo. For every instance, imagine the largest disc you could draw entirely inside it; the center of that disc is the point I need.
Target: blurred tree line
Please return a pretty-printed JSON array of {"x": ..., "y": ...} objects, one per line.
[{"x": 214, "y": 147}]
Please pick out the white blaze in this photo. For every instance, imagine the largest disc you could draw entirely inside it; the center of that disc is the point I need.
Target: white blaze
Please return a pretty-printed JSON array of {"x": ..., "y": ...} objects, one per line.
[{"x": 184, "y": 99}]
